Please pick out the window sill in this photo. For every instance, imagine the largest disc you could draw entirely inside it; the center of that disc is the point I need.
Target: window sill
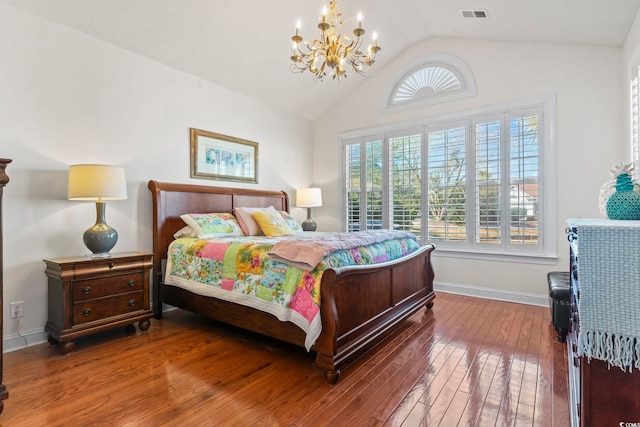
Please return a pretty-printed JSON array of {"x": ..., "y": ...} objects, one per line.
[{"x": 522, "y": 258}]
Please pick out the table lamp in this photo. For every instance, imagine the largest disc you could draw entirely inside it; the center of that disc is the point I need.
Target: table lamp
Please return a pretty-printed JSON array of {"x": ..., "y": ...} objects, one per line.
[
  {"x": 99, "y": 183},
  {"x": 309, "y": 198}
]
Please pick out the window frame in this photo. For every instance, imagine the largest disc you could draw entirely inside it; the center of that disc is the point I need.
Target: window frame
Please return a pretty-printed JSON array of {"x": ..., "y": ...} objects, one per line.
[
  {"x": 634, "y": 117},
  {"x": 450, "y": 63},
  {"x": 546, "y": 252}
]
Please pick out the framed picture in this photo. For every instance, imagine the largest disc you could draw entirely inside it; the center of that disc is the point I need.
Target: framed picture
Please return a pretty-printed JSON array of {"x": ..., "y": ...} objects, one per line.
[{"x": 217, "y": 156}]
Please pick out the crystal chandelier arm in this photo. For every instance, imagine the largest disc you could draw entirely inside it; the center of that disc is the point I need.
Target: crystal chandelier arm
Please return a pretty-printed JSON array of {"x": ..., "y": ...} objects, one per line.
[{"x": 351, "y": 46}]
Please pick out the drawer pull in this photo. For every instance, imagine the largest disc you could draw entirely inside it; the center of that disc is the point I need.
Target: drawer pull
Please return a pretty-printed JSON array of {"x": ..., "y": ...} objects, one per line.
[
  {"x": 132, "y": 302},
  {"x": 86, "y": 290},
  {"x": 132, "y": 282},
  {"x": 111, "y": 265},
  {"x": 86, "y": 312}
]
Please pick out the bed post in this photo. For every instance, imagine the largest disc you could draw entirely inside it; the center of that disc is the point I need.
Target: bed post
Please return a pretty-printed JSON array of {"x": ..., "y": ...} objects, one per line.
[{"x": 157, "y": 254}]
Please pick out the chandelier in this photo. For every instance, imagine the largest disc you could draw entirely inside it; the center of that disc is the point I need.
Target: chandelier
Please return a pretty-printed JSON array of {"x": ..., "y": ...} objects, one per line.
[{"x": 332, "y": 53}]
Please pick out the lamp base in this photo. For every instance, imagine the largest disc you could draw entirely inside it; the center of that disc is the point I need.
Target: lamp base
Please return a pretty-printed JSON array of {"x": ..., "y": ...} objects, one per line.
[
  {"x": 103, "y": 255},
  {"x": 309, "y": 224},
  {"x": 100, "y": 238}
]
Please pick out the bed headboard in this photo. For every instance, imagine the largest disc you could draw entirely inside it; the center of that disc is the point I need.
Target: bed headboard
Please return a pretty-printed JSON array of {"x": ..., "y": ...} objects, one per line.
[{"x": 172, "y": 200}]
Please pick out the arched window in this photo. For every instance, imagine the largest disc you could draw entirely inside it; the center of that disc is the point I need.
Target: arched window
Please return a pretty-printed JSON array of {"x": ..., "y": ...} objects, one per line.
[{"x": 434, "y": 79}]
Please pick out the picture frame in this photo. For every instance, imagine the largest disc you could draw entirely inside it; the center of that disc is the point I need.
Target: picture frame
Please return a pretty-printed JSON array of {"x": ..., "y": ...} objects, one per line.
[{"x": 223, "y": 157}]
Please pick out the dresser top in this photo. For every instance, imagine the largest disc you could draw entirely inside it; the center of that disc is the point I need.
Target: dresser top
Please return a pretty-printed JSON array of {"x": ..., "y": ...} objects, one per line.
[
  {"x": 602, "y": 222},
  {"x": 99, "y": 259}
]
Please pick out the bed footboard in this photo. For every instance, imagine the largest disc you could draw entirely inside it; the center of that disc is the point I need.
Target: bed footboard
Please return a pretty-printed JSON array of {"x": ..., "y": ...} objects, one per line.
[{"x": 361, "y": 305}]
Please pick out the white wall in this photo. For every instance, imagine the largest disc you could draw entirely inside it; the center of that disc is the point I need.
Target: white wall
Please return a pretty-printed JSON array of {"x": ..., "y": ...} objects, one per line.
[
  {"x": 67, "y": 98},
  {"x": 591, "y": 105}
]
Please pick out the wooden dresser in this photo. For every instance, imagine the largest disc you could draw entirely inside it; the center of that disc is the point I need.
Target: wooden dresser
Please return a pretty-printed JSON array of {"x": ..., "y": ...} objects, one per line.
[
  {"x": 4, "y": 179},
  {"x": 603, "y": 296},
  {"x": 87, "y": 295}
]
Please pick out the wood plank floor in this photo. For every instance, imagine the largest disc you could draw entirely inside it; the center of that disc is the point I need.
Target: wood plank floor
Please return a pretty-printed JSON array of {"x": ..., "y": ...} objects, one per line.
[{"x": 469, "y": 362}]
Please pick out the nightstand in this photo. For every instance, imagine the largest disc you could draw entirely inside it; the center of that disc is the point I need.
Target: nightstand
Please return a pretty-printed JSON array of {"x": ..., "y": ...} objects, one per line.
[{"x": 88, "y": 295}]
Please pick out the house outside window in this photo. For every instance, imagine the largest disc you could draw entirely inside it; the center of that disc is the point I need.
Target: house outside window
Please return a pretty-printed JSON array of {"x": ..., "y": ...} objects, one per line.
[{"x": 473, "y": 183}]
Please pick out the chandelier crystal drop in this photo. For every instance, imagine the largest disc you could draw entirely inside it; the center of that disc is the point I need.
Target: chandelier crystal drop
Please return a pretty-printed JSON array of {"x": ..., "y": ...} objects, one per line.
[{"x": 332, "y": 53}]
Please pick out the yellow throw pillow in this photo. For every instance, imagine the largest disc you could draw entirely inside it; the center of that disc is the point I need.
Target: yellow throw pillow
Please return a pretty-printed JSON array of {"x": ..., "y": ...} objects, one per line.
[
  {"x": 247, "y": 223},
  {"x": 272, "y": 224}
]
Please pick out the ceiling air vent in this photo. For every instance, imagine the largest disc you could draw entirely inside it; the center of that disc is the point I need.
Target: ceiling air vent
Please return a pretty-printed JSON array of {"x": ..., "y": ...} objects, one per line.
[{"x": 475, "y": 14}]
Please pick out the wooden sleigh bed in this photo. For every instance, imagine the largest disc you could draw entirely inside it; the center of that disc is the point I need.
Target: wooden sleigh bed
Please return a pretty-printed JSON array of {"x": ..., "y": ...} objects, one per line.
[{"x": 391, "y": 291}]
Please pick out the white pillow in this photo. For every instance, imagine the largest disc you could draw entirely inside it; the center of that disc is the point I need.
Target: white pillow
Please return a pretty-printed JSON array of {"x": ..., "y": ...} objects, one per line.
[{"x": 185, "y": 231}]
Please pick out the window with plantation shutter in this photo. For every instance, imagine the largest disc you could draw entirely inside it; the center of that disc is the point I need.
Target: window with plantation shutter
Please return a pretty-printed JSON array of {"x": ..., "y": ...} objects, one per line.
[
  {"x": 373, "y": 184},
  {"x": 447, "y": 184},
  {"x": 364, "y": 184},
  {"x": 488, "y": 182},
  {"x": 524, "y": 184},
  {"x": 473, "y": 184},
  {"x": 352, "y": 189},
  {"x": 635, "y": 120},
  {"x": 405, "y": 180},
  {"x": 507, "y": 190}
]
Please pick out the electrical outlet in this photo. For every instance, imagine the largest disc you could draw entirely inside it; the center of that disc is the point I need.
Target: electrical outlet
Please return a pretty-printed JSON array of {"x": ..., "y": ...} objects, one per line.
[{"x": 17, "y": 309}]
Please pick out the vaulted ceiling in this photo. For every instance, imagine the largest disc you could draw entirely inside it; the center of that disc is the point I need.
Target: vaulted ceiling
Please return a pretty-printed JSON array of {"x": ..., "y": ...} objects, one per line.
[{"x": 244, "y": 45}]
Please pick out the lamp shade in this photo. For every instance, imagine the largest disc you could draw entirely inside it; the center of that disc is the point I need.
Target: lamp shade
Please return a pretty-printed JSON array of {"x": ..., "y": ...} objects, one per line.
[
  {"x": 308, "y": 197},
  {"x": 96, "y": 182}
]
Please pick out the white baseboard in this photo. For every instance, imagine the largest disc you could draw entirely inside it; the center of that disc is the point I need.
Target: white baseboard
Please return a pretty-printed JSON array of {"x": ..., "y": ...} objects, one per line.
[
  {"x": 489, "y": 293},
  {"x": 15, "y": 342}
]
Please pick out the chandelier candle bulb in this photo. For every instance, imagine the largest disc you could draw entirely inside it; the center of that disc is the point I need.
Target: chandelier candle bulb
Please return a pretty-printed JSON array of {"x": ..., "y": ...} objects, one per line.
[
  {"x": 375, "y": 48},
  {"x": 296, "y": 39}
]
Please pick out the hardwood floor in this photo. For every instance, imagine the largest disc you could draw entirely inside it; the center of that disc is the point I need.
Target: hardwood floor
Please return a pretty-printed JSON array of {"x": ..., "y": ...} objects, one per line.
[{"x": 470, "y": 362}]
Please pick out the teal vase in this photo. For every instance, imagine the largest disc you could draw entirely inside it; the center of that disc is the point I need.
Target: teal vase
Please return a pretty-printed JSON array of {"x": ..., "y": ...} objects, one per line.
[{"x": 624, "y": 203}]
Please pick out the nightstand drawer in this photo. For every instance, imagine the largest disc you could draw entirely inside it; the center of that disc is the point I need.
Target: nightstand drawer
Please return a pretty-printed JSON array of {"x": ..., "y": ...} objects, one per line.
[
  {"x": 103, "y": 308},
  {"x": 96, "y": 288}
]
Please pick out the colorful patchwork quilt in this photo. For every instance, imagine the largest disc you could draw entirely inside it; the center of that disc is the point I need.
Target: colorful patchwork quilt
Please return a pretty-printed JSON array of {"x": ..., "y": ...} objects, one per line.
[{"x": 240, "y": 270}]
